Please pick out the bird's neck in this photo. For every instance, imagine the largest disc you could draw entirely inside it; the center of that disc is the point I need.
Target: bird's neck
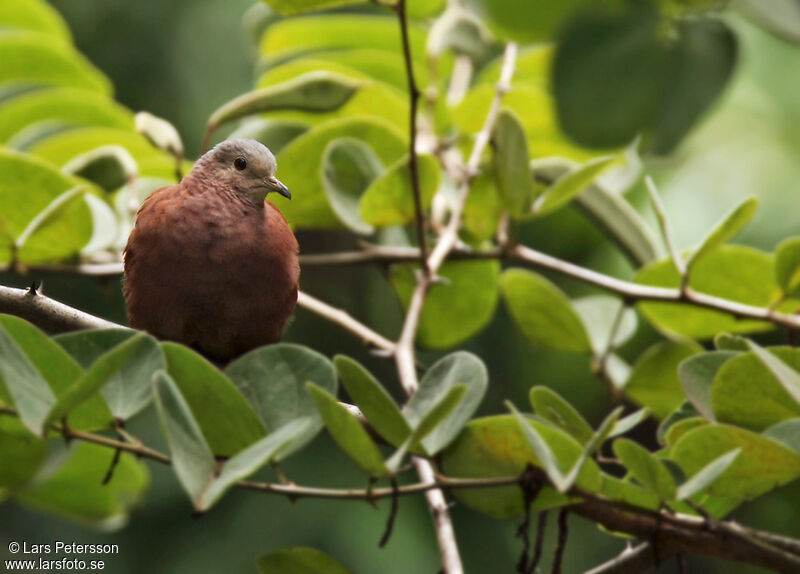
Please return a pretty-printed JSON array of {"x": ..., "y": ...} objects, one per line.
[{"x": 198, "y": 184}]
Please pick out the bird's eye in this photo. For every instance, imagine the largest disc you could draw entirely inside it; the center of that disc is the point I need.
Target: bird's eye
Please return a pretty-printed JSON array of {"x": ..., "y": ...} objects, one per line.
[{"x": 240, "y": 163}]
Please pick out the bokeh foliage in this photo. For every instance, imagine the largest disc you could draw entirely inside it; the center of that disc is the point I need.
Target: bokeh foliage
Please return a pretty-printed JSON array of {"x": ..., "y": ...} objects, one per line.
[{"x": 599, "y": 88}]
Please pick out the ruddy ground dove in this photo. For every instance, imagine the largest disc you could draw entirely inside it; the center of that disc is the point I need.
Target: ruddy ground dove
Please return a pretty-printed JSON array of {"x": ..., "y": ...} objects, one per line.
[{"x": 210, "y": 263}]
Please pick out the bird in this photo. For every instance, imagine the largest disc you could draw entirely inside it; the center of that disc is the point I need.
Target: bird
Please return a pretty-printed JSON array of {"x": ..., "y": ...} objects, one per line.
[{"x": 210, "y": 263}]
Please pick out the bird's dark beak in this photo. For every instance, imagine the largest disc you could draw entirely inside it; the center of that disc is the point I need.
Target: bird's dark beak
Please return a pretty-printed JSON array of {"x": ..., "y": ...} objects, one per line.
[{"x": 274, "y": 184}]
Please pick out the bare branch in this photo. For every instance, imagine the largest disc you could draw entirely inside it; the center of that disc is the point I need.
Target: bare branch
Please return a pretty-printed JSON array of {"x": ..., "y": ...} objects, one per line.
[
  {"x": 46, "y": 313},
  {"x": 346, "y": 321},
  {"x": 413, "y": 165},
  {"x": 672, "y": 532},
  {"x": 637, "y": 559}
]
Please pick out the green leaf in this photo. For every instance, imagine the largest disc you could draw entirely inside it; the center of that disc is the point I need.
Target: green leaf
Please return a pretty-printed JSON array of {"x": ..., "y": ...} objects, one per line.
[
  {"x": 34, "y": 16},
  {"x": 728, "y": 342},
  {"x": 432, "y": 418},
  {"x": 787, "y": 266},
  {"x": 88, "y": 345},
  {"x": 747, "y": 393},
  {"x": 496, "y": 447},
  {"x": 110, "y": 167},
  {"x": 514, "y": 180},
  {"x": 788, "y": 377},
  {"x": 102, "y": 371},
  {"x": 700, "y": 63},
  {"x": 58, "y": 369},
  {"x": 373, "y": 400},
  {"x": 63, "y": 146},
  {"x": 620, "y": 222},
  {"x": 248, "y": 461},
  {"x": 160, "y": 133},
  {"x": 226, "y": 419},
  {"x": 347, "y": 431},
  {"x": 274, "y": 134},
  {"x": 348, "y": 168},
  {"x": 607, "y": 73},
  {"x": 762, "y": 465},
  {"x": 545, "y": 455},
  {"x": 615, "y": 76},
  {"x": 192, "y": 459},
  {"x": 570, "y": 185},
  {"x": 483, "y": 208},
  {"x": 273, "y": 380},
  {"x": 733, "y": 272},
  {"x": 301, "y": 165},
  {"x": 460, "y": 31},
  {"x": 697, "y": 374},
  {"x": 50, "y": 215},
  {"x": 460, "y": 368},
  {"x": 542, "y": 312},
  {"x": 781, "y": 17},
  {"x": 527, "y": 22},
  {"x": 534, "y": 106},
  {"x": 786, "y": 432},
  {"x": 654, "y": 381},
  {"x": 27, "y": 189},
  {"x": 35, "y": 59},
  {"x": 389, "y": 200},
  {"x": 29, "y": 392},
  {"x": 293, "y": 37},
  {"x": 455, "y": 309},
  {"x": 706, "y": 476},
  {"x": 679, "y": 427},
  {"x": 300, "y": 560},
  {"x": 375, "y": 97},
  {"x": 68, "y": 106},
  {"x": 74, "y": 489},
  {"x": 22, "y": 456},
  {"x": 292, "y": 7},
  {"x": 625, "y": 424},
  {"x": 435, "y": 416},
  {"x": 646, "y": 468},
  {"x": 313, "y": 92},
  {"x": 552, "y": 407},
  {"x": 729, "y": 226},
  {"x": 598, "y": 313}
]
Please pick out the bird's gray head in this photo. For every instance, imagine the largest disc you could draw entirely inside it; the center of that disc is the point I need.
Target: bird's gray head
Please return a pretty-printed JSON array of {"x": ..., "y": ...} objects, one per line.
[{"x": 245, "y": 165}]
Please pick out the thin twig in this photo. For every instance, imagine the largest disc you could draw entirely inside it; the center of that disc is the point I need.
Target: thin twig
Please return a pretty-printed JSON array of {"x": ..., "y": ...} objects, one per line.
[
  {"x": 346, "y": 321},
  {"x": 661, "y": 214},
  {"x": 637, "y": 559},
  {"x": 413, "y": 164},
  {"x": 561, "y": 543},
  {"x": 541, "y": 528},
  {"x": 677, "y": 532}
]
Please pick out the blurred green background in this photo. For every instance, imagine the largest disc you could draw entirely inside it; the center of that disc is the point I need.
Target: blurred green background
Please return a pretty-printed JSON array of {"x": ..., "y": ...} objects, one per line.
[{"x": 180, "y": 59}]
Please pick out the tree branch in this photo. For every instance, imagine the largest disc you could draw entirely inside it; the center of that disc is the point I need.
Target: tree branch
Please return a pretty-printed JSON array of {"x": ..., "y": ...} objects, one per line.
[
  {"x": 346, "y": 321},
  {"x": 413, "y": 164},
  {"x": 46, "y": 313},
  {"x": 672, "y": 532},
  {"x": 637, "y": 559}
]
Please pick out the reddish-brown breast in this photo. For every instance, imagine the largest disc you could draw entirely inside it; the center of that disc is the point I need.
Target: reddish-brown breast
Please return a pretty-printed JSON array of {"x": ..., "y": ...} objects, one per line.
[{"x": 210, "y": 269}]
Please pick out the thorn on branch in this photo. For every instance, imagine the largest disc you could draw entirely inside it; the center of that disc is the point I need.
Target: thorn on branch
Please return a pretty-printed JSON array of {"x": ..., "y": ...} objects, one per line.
[
  {"x": 33, "y": 290},
  {"x": 392, "y": 514},
  {"x": 563, "y": 533}
]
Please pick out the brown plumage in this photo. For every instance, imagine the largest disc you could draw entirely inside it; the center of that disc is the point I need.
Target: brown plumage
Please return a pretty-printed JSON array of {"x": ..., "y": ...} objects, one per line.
[{"x": 210, "y": 263}]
